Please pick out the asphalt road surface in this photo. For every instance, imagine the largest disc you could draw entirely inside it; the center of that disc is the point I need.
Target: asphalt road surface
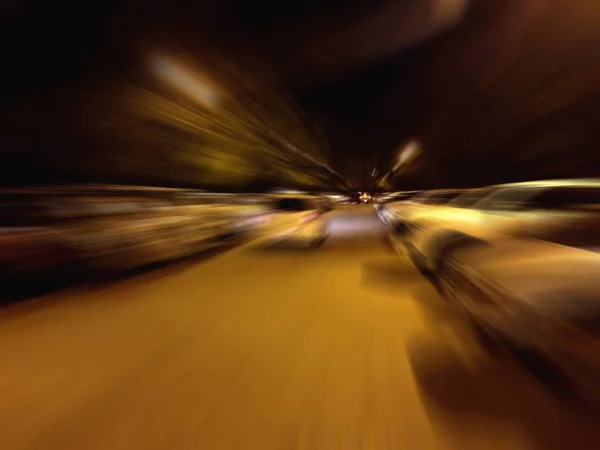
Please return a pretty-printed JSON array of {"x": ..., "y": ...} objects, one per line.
[{"x": 342, "y": 347}]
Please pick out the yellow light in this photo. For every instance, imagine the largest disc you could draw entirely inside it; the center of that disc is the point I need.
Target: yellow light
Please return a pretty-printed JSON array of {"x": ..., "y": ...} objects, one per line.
[
  {"x": 182, "y": 79},
  {"x": 408, "y": 153}
]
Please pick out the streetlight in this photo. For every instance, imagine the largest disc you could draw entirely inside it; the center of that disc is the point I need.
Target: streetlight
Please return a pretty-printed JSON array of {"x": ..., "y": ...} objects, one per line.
[
  {"x": 182, "y": 79},
  {"x": 198, "y": 87},
  {"x": 409, "y": 152}
]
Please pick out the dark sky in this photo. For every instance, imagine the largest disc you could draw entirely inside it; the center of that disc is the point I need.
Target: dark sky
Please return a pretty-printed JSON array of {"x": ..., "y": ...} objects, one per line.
[{"x": 507, "y": 90}]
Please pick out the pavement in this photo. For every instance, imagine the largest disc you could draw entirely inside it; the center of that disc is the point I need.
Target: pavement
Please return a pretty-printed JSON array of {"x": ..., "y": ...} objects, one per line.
[{"x": 268, "y": 347}]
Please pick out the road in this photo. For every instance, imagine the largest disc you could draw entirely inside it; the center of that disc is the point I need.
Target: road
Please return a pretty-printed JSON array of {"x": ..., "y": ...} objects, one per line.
[{"x": 343, "y": 347}]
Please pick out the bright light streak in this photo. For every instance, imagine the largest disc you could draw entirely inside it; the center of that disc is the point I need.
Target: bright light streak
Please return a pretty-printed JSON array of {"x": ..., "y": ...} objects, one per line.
[
  {"x": 410, "y": 151},
  {"x": 287, "y": 191},
  {"x": 184, "y": 80}
]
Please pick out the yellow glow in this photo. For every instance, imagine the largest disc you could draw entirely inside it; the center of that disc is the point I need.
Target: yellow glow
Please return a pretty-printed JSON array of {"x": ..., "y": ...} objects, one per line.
[
  {"x": 181, "y": 78},
  {"x": 408, "y": 153}
]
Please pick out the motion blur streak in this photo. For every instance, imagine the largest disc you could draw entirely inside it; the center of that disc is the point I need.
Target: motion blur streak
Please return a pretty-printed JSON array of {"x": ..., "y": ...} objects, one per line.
[
  {"x": 182, "y": 79},
  {"x": 334, "y": 225},
  {"x": 267, "y": 346}
]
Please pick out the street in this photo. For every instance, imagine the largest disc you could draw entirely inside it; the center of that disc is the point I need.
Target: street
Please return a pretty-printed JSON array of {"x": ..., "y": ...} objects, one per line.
[{"x": 341, "y": 347}]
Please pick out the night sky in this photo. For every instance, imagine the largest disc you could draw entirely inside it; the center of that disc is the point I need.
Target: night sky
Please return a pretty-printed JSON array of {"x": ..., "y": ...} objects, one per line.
[{"x": 495, "y": 91}]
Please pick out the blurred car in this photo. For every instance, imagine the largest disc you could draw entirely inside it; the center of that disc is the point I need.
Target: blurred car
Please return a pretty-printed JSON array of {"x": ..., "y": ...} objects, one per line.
[
  {"x": 244, "y": 211},
  {"x": 324, "y": 203},
  {"x": 344, "y": 199},
  {"x": 336, "y": 199},
  {"x": 381, "y": 200},
  {"x": 297, "y": 219},
  {"x": 539, "y": 300},
  {"x": 119, "y": 243},
  {"x": 353, "y": 199},
  {"x": 531, "y": 209},
  {"x": 399, "y": 212},
  {"x": 364, "y": 197},
  {"x": 104, "y": 230}
]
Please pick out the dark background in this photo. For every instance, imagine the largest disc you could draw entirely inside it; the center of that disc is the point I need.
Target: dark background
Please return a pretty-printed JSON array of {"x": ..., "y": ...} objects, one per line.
[{"x": 508, "y": 90}]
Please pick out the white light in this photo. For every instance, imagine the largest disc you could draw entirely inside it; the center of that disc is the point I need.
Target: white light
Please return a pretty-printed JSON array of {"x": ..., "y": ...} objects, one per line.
[
  {"x": 410, "y": 151},
  {"x": 287, "y": 191},
  {"x": 180, "y": 78}
]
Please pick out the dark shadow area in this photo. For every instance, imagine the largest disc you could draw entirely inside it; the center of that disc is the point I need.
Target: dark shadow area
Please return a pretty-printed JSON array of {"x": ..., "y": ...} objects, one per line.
[
  {"x": 431, "y": 305},
  {"x": 166, "y": 268},
  {"x": 496, "y": 394},
  {"x": 389, "y": 271},
  {"x": 28, "y": 289},
  {"x": 431, "y": 278},
  {"x": 18, "y": 290},
  {"x": 420, "y": 264}
]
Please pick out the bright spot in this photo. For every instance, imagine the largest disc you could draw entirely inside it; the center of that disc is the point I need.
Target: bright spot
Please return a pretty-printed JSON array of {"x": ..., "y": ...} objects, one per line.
[
  {"x": 184, "y": 80},
  {"x": 410, "y": 151}
]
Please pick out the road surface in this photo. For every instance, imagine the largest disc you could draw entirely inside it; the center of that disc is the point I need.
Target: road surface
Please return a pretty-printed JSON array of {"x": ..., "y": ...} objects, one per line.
[{"x": 343, "y": 347}]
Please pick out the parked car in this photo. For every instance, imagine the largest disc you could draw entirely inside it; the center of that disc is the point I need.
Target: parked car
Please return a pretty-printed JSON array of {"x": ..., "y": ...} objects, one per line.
[
  {"x": 382, "y": 199},
  {"x": 539, "y": 300},
  {"x": 244, "y": 211},
  {"x": 53, "y": 230},
  {"x": 399, "y": 213},
  {"x": 532, "y": 209},
  {"x": 297, "y": 219},
  {"x": 119, "y": 243},
  {"x": 324, "y": 203}
]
